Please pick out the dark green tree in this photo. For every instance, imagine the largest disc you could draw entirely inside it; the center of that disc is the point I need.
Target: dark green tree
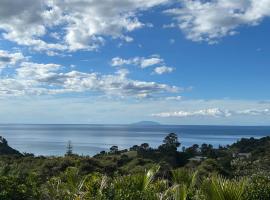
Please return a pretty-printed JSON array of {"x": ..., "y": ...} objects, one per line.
[
  {"x": 114, "y": 149},
  {"x": 207, "y": 150},
  {"x": 134, "y": 148},
  {"x": 145, "y": 146},
  {"x": 170, "y": 143},
  {"x": 3, "y": 141},
  {"x": 193, "y": 150},
  {"x": 69, "y": 151}
]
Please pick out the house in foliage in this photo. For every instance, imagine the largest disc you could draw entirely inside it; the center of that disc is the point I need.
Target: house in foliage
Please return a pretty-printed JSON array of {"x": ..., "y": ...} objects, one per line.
[
  {"x": 241, "y": 155},
  {"x": 198, "y": 158}
]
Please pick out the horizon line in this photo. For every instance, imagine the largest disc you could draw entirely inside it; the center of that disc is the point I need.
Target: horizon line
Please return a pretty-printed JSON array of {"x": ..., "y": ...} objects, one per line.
[{"x": 133, "y": 124}]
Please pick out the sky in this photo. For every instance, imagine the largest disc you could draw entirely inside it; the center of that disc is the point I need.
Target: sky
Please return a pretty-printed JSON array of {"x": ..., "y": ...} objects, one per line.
[{"x": 191, "y": 62}]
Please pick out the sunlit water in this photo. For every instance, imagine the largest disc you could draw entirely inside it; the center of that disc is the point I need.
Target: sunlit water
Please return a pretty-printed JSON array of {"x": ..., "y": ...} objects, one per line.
[{"x": 91, "y": 139}]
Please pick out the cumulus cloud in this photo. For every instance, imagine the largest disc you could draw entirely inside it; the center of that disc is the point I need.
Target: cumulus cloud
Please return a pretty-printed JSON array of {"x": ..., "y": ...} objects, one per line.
[
  {"x": 37, "y": 71},
  {"x": 43, "y": 79},
  {"x": 25, "y": 22},
  {"x": 9, "y": 59},
  {"x": 83, "y": 24},
  {"x": 213, "y": 112},
  {"x": 211, "y": 20},
  {"x": 141, "y": 62},
  {"x": 163, "y": 69}
]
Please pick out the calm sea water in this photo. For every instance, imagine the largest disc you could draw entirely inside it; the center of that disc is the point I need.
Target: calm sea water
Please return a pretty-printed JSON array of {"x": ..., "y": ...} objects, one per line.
[{"x": 91, "y": 139}]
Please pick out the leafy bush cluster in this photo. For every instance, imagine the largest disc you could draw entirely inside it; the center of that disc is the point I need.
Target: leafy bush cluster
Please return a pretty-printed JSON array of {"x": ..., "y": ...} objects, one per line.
[
  {"x": 140, "y": 173},
  {"x": 183, "y": 184}
]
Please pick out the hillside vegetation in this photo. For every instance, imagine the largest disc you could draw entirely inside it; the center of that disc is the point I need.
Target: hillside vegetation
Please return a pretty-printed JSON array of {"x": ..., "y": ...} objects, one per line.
[{"x": 236, "y": 172}]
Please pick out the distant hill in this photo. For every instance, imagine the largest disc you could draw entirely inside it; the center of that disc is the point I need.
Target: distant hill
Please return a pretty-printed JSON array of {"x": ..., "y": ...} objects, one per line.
[
  {"x": 146, "y": 123},
  {"x": 5, "y": 149}
]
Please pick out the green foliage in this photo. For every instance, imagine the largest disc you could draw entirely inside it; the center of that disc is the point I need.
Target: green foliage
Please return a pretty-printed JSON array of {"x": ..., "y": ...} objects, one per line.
[
  {"x": 170, "y": 143},
  {"x": 69, "y": 151},
  {"x": 131, "y": 187},
  {"x": 184, "y": 176},
  {"x": 14, "y": 188},
  {"x": 180, "y": 192},
  {"x": 257, "y": 147},
  {"x": 135, "y": 175},
  {"x": 258, "y": 187},
  {"x": 219, "y": 188},
  {"x": 96, "y": 186},
  {"x": 114, "y": 149},
  {"x": 185, "y": 182},
  {"x": 209, "y": 167}
]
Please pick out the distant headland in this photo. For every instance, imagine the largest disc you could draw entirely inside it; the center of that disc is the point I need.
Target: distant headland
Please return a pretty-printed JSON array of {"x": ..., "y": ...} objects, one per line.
[{"x": 145, "y": 123}]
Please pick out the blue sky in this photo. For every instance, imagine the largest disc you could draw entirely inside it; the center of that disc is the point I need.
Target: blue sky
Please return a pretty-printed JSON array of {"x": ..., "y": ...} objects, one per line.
[{"x": 171, "y": 61}]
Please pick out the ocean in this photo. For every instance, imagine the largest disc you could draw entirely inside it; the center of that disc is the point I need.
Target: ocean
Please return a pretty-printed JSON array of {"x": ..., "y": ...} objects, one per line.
[{"x": 91, "y": 139}]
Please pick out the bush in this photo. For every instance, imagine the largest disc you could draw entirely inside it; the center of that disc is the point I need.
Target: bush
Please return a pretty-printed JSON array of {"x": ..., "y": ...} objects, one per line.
[{"x": 258, "y": 188}]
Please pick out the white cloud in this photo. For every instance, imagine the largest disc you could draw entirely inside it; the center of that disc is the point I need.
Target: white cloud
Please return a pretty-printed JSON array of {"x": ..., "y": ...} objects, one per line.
[
  {"x": 211, "y": 20},
  {"x": 117, "y": 61},
  {"x": 254, "y": 112},
  {"x": 25, "y": 22},
  {"x": 36, "y": 71},
  {"x": 176, "y": 98},
  {"x": 163, "y": 70},
  {"x": 8, "y": 58},
  {"x": 45, "y": 79},
  {"x": 171, "y": 25},
  {"x": 147, "y": 62},
  {"x": 141, "y": 62},
  {"x": 83, "y": 23},
  {"x": 214, "y": 112}
]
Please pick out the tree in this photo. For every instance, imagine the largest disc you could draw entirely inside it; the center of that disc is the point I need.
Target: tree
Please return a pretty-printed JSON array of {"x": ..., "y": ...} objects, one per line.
[
  {"x": 170, "y": 143},
  {"x": 134, "y": 148},
  {"x": 171, "y": 140},
  {"x": 193, "y": 150},
  {"x": 69, "y": 151},
  {"x": 102, "y": 152},
  {"x": 207, "y": 150},
  {"x": 114, "y": 149},
  {"x": 144, "y": 146},
  {"x": 3, "y": 141}
]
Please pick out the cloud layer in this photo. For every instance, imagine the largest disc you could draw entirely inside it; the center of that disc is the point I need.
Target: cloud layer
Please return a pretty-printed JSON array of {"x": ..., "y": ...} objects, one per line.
[
  {"x": 36, "y": 79},
  {"x": 213, "y": 112},
  {"x": 71, "y": 25},
  {"x": 78, "y": 24},
  {"x": 9, "y": 59},
  {"x": 211, "y": 20}
]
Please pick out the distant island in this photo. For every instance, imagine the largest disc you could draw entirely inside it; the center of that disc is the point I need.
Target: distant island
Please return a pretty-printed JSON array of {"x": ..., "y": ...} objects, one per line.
[{"x": 145, "y": 123}]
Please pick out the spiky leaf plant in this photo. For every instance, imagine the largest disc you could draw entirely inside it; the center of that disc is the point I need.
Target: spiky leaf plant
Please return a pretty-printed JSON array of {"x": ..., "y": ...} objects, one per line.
[{"x": 219, "y": 188}]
